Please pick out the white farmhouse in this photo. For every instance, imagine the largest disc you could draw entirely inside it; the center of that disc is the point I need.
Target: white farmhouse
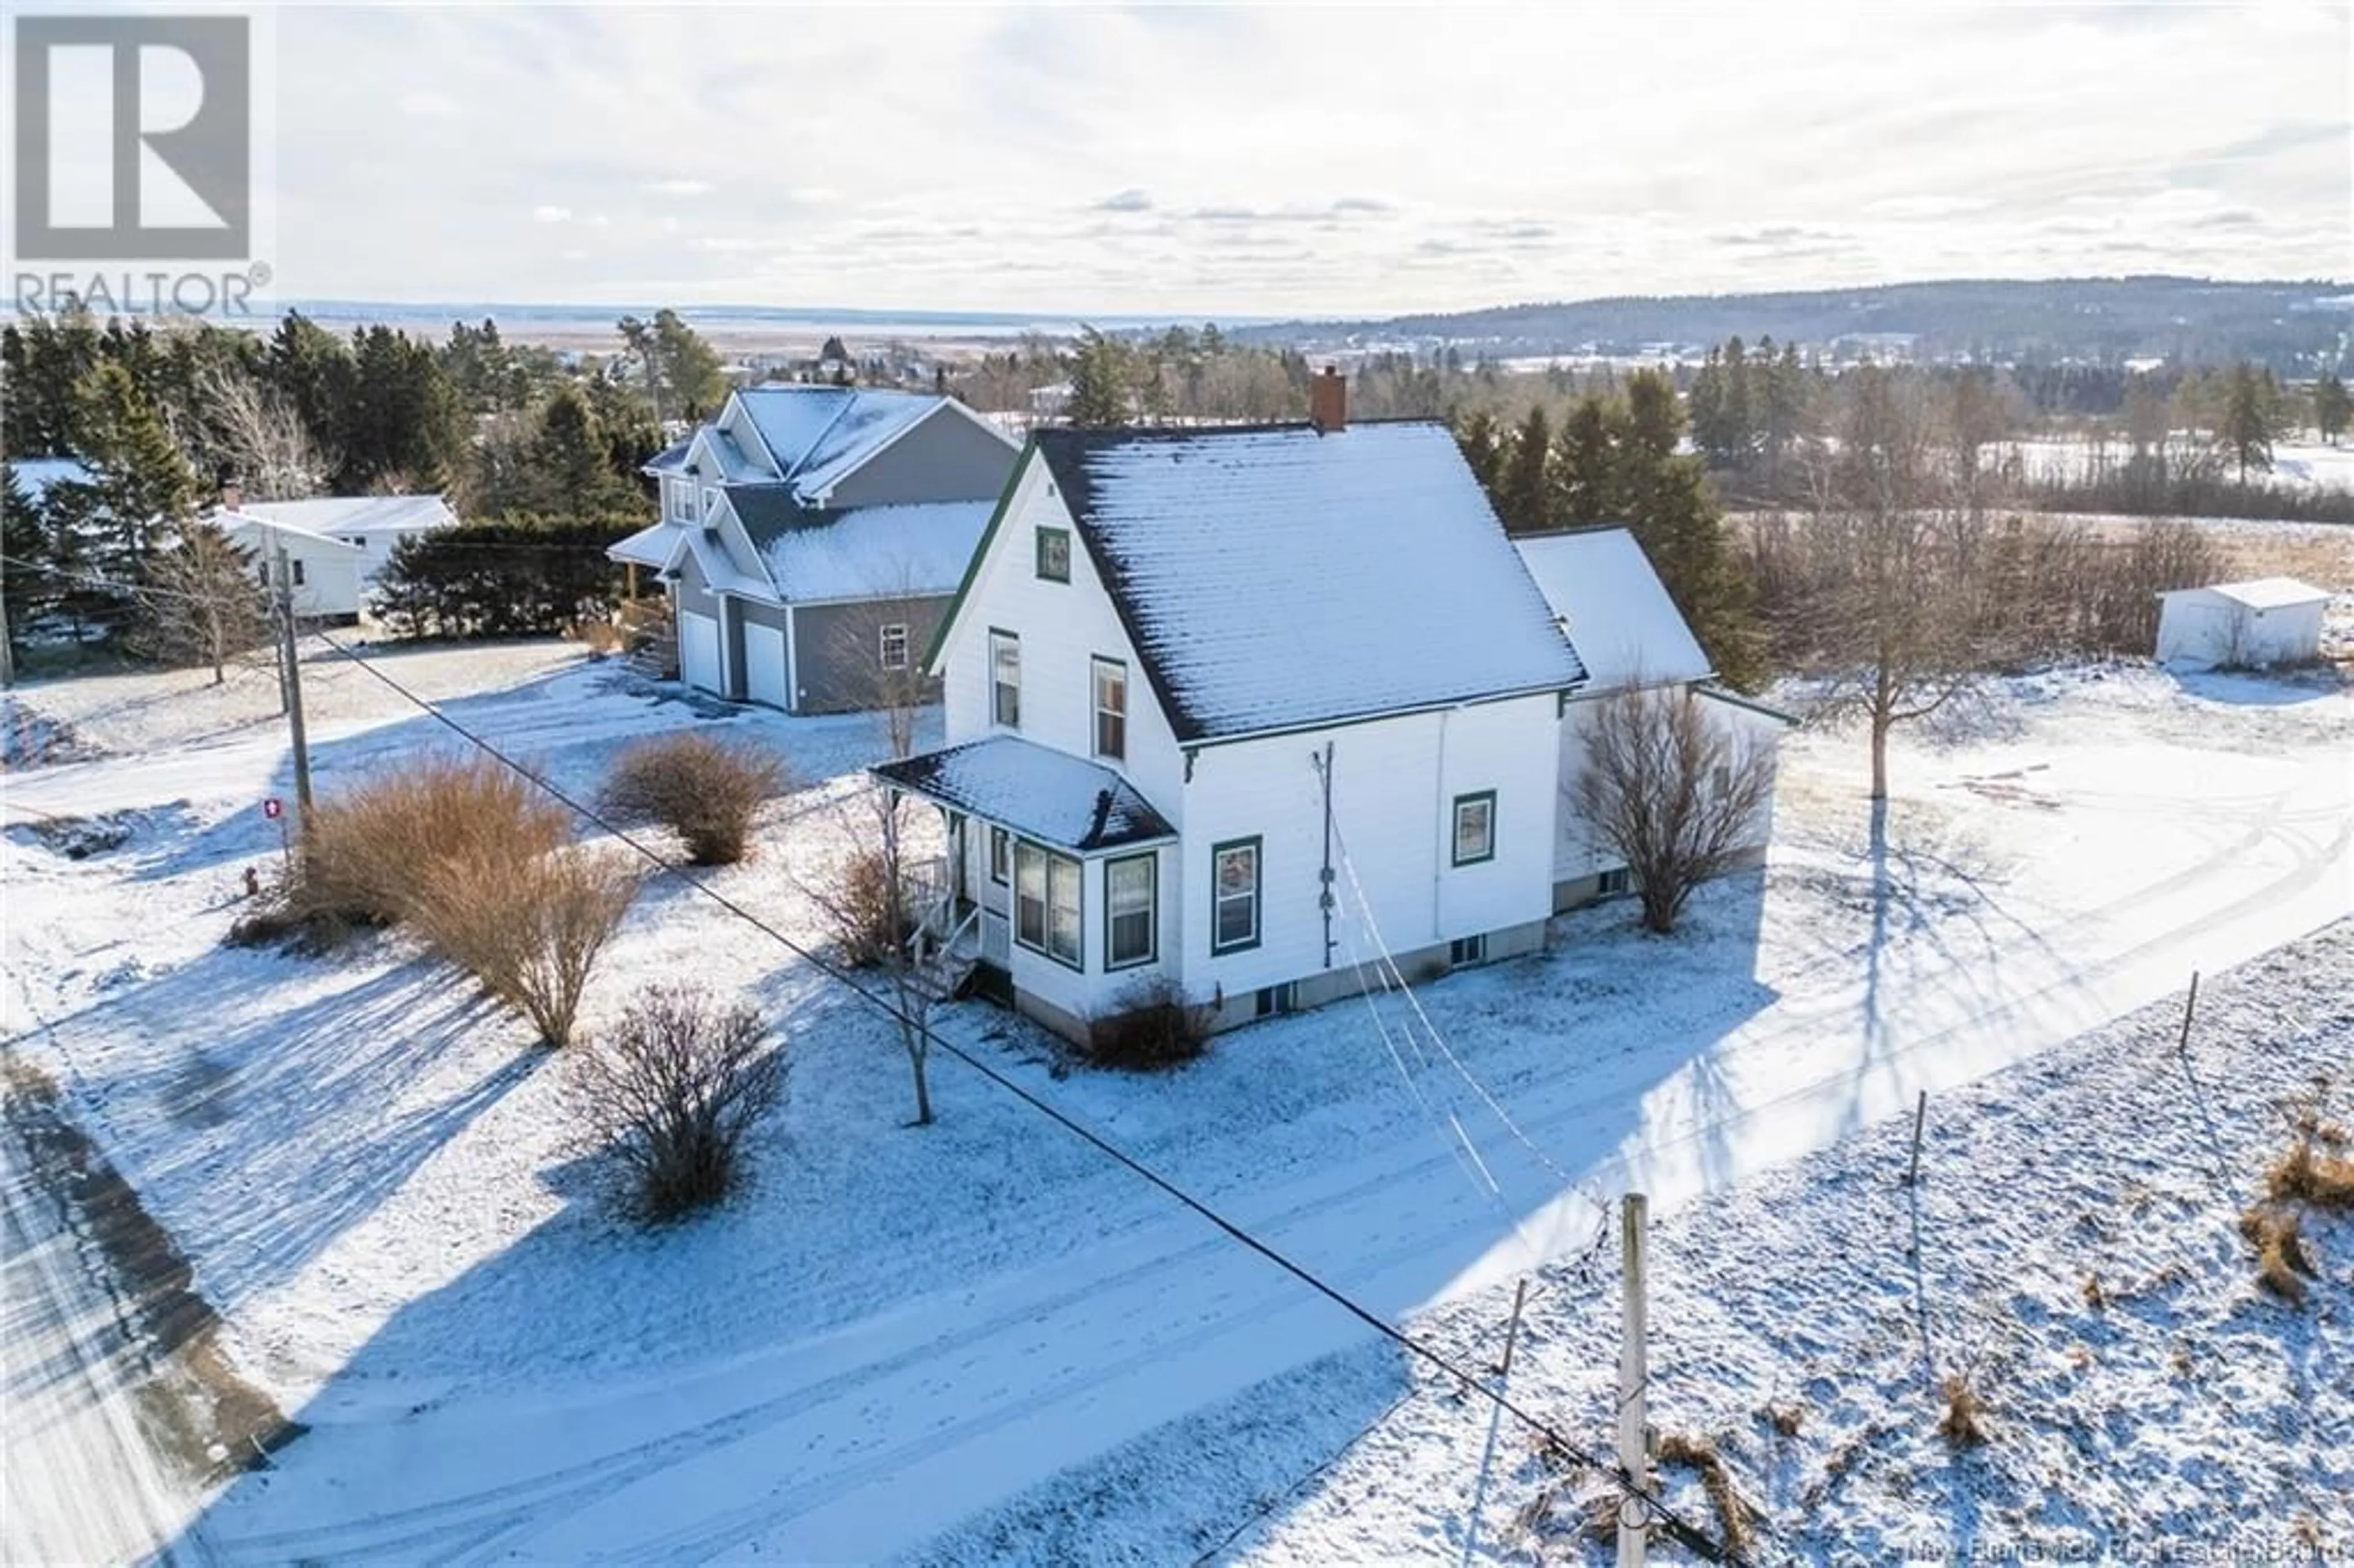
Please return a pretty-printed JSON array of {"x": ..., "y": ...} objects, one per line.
[
  {"x": 1240, "y": 709},
  {"x": 2268, "y": 621},
  {"x": 1629, "y": 635}
]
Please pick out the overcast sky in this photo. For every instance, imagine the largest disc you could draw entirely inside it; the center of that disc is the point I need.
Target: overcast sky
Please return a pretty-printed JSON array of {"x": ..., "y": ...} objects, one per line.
[{"x": 1287, "y": 161}]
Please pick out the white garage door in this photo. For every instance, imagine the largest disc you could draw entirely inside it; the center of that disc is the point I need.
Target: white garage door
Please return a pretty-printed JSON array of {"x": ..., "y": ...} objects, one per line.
[
  {"x": 698, "y": 651},
  {"x": 764, "y": 664}
]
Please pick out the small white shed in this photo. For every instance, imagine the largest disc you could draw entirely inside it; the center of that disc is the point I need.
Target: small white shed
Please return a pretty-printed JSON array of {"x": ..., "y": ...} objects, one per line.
[{"x": 2268, "y": 620}]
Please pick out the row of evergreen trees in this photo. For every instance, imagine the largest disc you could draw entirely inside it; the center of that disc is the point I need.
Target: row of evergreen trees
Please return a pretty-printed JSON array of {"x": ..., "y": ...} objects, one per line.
[{"x": 1616, "y": 457}]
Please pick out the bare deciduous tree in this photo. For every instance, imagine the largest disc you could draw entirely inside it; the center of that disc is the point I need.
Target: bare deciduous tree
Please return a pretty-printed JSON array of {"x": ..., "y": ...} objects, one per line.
[
  {"x": 202, "y": 601},
  {"x": 868, "y": 895},
  {"x": 1892, "y": 565},
  {"x": 261, "y": 437},
  {"x": 1676, "y": 795},
  {"x": 670, "y": 1092}
]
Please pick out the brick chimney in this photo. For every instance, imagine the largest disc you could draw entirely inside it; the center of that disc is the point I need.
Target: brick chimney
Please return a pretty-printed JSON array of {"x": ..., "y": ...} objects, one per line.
[{"x": 1328, "y": 402}]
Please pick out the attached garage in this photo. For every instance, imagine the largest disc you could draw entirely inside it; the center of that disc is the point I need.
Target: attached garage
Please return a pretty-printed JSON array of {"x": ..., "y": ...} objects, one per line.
[
  {"x": 2268, "y": 621},
  {"x": 699, "y": 663},
  {"x": 765, "y": 676}
]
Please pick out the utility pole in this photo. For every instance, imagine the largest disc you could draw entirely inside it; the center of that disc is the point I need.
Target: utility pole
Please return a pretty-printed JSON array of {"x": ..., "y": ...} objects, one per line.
[
  {"x": 1633, "y": 1393},
  {"x": 292, "y": 664}
]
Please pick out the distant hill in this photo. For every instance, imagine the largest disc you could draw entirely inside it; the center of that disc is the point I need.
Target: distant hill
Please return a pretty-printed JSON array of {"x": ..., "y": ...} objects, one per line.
[{"x": 2298, "y": 327}]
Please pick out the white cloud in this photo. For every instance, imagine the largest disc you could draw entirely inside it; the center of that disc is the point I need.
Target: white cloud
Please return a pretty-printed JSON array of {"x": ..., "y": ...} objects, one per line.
[{"x": 1269, "y": 160}]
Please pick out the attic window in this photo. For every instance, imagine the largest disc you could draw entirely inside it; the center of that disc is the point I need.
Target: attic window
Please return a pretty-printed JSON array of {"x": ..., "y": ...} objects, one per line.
[
  {"x": 893, "y": 646},
  {"x": 1054, "y": 555}
]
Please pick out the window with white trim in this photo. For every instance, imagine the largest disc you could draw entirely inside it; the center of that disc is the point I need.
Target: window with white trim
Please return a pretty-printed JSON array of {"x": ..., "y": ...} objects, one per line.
[
  {"x": 1001, "y": 856},
  {"x": 682, "y": 499},
  {"x": 1005, "y": 679},
  {"x": 1110, "y": 677},
  {"x": 1129, "y": 934},
  {"x": 1046, "y": 903},
  {"x": 1234, "y": 896},
  {"x": 1054, "y": 555},
  {"x": 892, "y": 646}
]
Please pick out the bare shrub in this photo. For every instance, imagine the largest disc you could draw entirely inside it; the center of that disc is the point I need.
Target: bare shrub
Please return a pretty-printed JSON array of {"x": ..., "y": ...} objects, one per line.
[
  {"x": 873, "y": 915},
  {"x": 2309, "y": 1172},
  {"x": 530, "y": 933},
  {"x": 368, "y": 849},
  {"x": 1153, "y": 1029},
  {"x": 1676, "y": 795},
  {"x": 2095, "y": 1297},
  {"x": 1964, "y": 1424},
  {"x": 2279, "y": 1235},
  {"x": 1786, "y": 1419},
  {"x": 601, "y": 638},
  {"x": 670, "y": 1092},
  {"x": 703, "y": 788}
]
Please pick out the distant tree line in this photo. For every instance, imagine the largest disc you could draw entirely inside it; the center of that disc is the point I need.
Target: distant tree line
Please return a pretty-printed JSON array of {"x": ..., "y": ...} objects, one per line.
[{"x": 164, "y": 414}]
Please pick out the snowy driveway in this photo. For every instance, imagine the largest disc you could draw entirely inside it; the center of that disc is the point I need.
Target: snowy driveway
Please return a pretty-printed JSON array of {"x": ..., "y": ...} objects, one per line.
[{"x": 868, "y": 1440}]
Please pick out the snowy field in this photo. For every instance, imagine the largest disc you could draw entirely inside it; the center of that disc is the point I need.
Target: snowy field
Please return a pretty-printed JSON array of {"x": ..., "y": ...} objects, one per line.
[
  {"x": 896, "y": 1332},
  {"x": 2315, "y": 465}
]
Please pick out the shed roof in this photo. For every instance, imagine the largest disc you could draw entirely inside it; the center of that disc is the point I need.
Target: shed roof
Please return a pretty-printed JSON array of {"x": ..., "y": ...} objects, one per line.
[
  {"x": 1275, "y": 577},
  {"x": 2272, "y": 593},
  {"x": 1614, "y": 607},
  {"x": 1049, "y": 796},
  {"x": 339, "y": 515}
]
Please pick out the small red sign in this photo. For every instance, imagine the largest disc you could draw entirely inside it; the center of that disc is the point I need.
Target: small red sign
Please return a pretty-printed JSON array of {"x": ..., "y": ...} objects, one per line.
[{"x": 273, "y": 808}]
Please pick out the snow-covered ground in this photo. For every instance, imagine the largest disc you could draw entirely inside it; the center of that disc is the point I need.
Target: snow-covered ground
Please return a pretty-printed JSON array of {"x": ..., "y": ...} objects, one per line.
[
  {"x": 894, "y": 1330},
  {"x": 2073, "y": 1250},
  {"x": 2313, "y": 465}
]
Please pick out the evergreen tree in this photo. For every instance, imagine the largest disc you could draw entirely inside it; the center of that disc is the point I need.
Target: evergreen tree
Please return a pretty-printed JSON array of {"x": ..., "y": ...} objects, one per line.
[
  {"x": 44, "y": 360},
  {"x": 1483, "y": 448},
  {"x": 1526, "y": 501},
  {"x": 312, "y": 370},
  {"x": 1680, "y": 527},
  {"x": 683, "y": 377},
  {"x": 1588, "y": 463},
  {"x": 27, "y": 585},
  {"x": 2249, "y": 418},
  {"x": 2331, "y": 407},
  {"x": 405, "y": 427},
  {"x": 1102, "y": 379},
  {"x": 143, "y": 479}
]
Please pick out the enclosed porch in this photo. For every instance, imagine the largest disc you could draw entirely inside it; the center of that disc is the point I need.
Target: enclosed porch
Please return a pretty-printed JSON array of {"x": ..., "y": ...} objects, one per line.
[{"x": 1058, "y": 880}]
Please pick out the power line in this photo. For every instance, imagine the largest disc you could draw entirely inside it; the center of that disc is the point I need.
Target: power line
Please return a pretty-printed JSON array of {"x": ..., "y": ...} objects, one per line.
[{"x": 1685, "y": 1534}]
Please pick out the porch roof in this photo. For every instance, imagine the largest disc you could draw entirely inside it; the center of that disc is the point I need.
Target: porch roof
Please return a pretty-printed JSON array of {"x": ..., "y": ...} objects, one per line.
[{"x": 1048, "y": 796}]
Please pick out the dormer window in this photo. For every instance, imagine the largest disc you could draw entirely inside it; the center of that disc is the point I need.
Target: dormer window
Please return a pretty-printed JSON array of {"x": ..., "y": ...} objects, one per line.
[
  {"x": 681, "y": 495},
  {"x": 710, "y": 504}
]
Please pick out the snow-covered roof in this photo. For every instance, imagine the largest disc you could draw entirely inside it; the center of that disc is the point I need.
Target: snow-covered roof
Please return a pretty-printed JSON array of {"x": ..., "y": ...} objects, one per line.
[
  {"x": 1614, "y": 607},
  {"x": 819, "y": 435},
  {"x": 35, "y": 475},
  {"x": 348, "y": 514},
  {"x": 877, "y": 552},
  {"x": 671, "y": 459},
  {"x": 245, "y": 524},
  {"x": 1049, "y": 796},
  {"x": 648, "y": 546},
  {"x": 1275, "y": 577},
  {"x": 2270, "y": 593}
]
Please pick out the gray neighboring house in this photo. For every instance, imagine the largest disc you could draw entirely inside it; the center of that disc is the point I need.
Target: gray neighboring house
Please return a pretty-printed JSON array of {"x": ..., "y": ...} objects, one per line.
[{"x": 812, "y": 538}]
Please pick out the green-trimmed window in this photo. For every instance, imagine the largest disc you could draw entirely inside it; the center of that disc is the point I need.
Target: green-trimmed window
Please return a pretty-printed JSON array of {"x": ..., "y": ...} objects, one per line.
[
  {"x": 1054, "y": 555},
  {"x": 1475, "y": 828},
  {"x": 1234, "y": 896},
  {"x": 1130, "y": 926},
  {"x": 1047, "y": 904}
]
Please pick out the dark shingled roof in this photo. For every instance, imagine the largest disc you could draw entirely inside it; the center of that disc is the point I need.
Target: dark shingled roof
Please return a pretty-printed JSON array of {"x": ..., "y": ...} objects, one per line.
[
  {"x": 1044, "y": 795},
  {"x": 1273, "y": 577}
]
